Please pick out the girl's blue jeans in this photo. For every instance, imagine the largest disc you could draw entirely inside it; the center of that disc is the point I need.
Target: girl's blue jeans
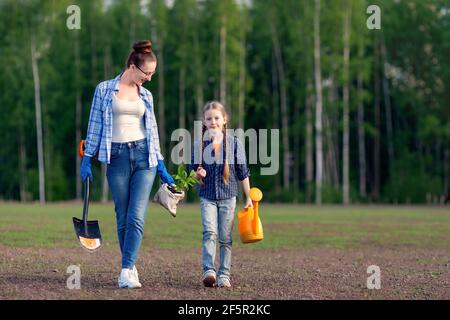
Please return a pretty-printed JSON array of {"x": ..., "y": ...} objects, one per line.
[
  {"x": 130, "y": 180},
  {"x": 217, "y": 221}
]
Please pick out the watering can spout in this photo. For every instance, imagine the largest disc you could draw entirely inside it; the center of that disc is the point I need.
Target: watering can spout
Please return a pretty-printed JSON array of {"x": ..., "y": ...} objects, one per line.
[{"x": 250, "y": 227}]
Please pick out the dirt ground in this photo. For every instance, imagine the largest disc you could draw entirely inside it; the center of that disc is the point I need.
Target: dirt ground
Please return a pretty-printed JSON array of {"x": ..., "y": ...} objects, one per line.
[{"x": 35, "y": 273}]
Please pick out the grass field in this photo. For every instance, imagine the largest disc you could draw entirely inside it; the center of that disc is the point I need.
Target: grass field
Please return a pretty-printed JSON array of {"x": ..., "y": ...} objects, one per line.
[
  {"x": 285, "y": 226},
  {"x": 298, "y": 240}
]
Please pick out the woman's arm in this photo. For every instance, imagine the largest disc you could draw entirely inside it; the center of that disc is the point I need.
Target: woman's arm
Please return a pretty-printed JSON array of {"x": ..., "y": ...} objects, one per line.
[
  {"x": 95, "y": 126},
  {"x": 154, "y": 130}
]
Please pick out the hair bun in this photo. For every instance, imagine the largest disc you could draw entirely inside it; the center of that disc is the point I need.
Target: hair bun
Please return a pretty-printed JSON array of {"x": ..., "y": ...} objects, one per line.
[{"x": 144, "y": 46}]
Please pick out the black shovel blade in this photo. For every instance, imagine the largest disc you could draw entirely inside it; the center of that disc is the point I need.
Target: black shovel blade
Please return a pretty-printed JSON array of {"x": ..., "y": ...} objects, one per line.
[{"x": 88, "y": 234}]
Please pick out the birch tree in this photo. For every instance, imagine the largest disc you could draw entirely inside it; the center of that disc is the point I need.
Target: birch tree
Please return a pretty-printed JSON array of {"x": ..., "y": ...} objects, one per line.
[
  {"x": 345, "y": 97},
  {"x": 318, "y": 107},
  {"x": 38, "y": 117}
]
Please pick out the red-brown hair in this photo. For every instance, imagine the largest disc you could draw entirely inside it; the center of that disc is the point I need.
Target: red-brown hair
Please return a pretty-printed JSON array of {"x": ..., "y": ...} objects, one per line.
[
  {"x": 141, "y": 53},
  {"x": 215, "y": 105}
]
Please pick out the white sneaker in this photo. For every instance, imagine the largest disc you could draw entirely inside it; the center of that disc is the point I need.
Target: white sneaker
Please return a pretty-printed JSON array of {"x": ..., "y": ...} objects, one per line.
[
  {"x": 223, "y": 282},
  {"x": 136, "y": 276},
  {"x": 127, "y": 280}
]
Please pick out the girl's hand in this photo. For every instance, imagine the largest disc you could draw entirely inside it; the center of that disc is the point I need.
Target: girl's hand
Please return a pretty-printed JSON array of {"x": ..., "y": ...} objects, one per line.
[
  {"x": 200, "y": 173},
  {"x": 248, "y": 203}
]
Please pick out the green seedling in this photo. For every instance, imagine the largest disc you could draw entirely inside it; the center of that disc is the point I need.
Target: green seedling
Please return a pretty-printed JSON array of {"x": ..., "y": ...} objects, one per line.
[{"x": 183, "y": 180}]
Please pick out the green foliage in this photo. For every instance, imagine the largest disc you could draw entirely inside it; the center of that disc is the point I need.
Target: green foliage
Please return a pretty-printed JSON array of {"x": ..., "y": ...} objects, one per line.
[
  {"x": 330, "y": 194},
  {"x": 187, "y": 35},
  {"x": 409, "y": 183},
  {"x": 183, "y": 180}
]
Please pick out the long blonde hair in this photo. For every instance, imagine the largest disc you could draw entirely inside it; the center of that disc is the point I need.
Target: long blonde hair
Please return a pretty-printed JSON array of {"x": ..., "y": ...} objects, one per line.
[{"x": 215, "y": 105}]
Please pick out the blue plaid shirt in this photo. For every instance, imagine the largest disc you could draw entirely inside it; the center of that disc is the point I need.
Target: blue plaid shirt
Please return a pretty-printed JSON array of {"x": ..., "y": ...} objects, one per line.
[
  {"x": 99, "y": 132},
  {"x": 214, "y": 188}
]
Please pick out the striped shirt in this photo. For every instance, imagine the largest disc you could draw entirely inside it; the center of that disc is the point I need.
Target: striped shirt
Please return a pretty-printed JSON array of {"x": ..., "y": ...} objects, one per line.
[
  {"x": 99, "y": 132},
  {"x": 214, "y": 188}
]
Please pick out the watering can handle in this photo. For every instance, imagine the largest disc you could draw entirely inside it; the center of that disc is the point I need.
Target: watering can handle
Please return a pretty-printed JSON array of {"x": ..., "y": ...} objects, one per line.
[{"x": 255, "y": 215}]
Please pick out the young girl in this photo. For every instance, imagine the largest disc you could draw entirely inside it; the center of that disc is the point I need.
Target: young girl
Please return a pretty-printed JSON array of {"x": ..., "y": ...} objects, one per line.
[{"x": 221, "y": 164}]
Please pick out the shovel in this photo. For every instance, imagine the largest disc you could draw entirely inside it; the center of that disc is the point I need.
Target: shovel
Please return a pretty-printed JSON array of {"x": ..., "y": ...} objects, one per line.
[{"x": 88, "y": 232}]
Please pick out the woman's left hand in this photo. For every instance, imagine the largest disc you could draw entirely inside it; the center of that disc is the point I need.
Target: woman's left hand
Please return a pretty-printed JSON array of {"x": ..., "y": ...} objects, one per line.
[{"x": 248, "y": 203}]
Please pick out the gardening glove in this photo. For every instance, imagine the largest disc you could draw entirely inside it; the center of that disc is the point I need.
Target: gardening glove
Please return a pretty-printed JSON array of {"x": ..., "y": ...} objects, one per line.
[
  {"x": 163, "y": 174},
  {"x": 85, "y": 170}
]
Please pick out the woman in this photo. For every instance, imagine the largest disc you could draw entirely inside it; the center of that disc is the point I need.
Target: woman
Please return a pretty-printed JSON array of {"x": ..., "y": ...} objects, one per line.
[{"x": 122, "y": 128}]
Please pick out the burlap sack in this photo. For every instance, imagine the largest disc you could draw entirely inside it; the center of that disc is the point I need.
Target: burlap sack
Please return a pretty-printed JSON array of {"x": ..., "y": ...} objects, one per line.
[{"x": 168, "y": 199}]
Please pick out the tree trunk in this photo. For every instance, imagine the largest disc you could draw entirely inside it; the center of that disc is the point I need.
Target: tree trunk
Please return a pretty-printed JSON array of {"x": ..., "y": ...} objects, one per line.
[
  {"x": 387, "y": 106},
  {"x": 345, "y": 100},
  {"x": 361, "y": 132},
  {"x": 182, "y": 98},
  {"x": 275, "y": 110},
  {"x": 284, "y": 109},
  {"x": 199, "y": 96},
  {"x": 200, "y": 100},
  {"x": 296, "y": 153},
  {"x": 331, "y": 159},
  {"x": 446, "y": 174},
  {"x": 309, "y": 142},
  {"x": 132, "y": 30},
  {"x": 78, "y": 110},
  {"x": 223, "y": 60},
  {"x": 331, "y": 137},
  {"x": 327, "y": 149},
  {"x": 335, "y": 123},
  {"x": 242, "y": 74},
  {"x": 161, "y": 98},
  {"x": 318, "y": 84},
  {"x": 94, "y": 63},
  {"x": 158, "y": 35},
  {"x": 182, "y": 101},
  {"x": 376, "y": 151},
  {"x": 37, "y": 101},
  {"x": 24, "y": 195}
]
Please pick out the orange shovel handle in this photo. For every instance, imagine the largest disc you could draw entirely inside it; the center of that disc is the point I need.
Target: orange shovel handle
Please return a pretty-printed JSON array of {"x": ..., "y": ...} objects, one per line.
[{"x": 82, "y": 147}]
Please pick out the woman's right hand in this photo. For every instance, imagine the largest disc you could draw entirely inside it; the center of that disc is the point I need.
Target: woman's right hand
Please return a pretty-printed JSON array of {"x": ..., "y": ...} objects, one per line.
[
  {"x": 85, "y": 170},
  {"x": 164, "y": 174}
]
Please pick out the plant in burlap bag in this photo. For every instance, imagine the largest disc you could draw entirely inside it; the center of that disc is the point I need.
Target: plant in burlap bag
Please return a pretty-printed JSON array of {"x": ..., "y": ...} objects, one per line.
[{"x": 170, "y": 196}]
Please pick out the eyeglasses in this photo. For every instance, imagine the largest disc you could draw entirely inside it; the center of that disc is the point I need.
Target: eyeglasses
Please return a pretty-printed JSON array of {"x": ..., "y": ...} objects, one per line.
[{"x": 148, "y": 74}]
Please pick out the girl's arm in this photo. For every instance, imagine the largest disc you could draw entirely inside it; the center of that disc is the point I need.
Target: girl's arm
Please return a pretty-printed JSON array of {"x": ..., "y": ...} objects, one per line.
[
  {"x": 242, "y": 171},
  {"x": 246, "y": 188}
]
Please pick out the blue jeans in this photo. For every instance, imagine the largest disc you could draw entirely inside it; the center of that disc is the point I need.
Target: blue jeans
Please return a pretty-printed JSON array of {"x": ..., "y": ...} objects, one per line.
[
  {"x": 217, "y": 221},
  {"x": 130, "y": 179}
]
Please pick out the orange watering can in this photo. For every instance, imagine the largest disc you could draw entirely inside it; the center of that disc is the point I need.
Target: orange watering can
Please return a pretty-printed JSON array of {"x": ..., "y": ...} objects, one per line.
[{"x": 250, "y": 227}]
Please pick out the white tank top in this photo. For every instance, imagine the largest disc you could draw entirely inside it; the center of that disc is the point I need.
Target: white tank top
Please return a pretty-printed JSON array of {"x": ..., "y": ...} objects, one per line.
[{"x": 128, "y": 120}]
